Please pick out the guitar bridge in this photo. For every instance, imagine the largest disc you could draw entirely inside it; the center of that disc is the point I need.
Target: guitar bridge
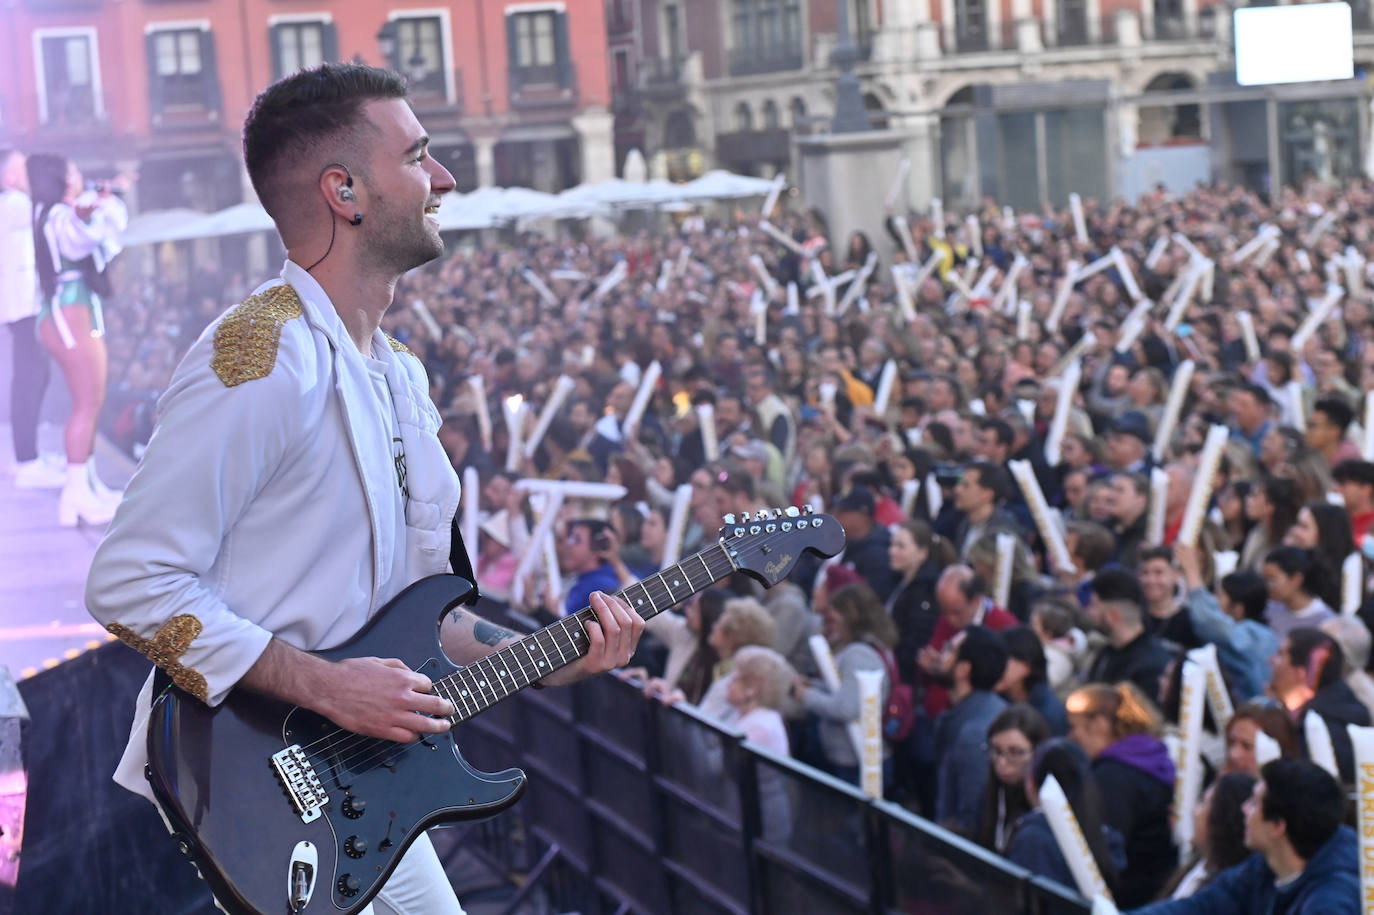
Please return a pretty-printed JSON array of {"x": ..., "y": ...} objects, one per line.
[{"x": 302, "y": 785}]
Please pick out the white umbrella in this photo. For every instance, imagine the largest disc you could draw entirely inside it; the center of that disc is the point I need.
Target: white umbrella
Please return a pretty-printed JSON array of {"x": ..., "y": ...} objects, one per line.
[
  {"x": 161, "y": 225},
  {"x": 239, "y": 219},
  {"x": 722, "y": 185},
  {"x": 618, "y": 192}
]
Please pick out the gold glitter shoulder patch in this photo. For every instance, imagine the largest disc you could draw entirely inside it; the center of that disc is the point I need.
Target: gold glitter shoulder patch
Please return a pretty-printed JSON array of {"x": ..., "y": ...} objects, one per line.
[
  {"x": 396, "y": 345},
  {"x": 166, "y": 648},
  {"x": 247, "y": 338}
]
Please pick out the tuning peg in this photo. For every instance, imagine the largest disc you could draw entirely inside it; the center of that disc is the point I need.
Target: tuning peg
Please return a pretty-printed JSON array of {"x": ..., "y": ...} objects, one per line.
[
  {"x": 744, "y": 518},
  {"x": 777, "y": 513},
  {"x": 793, "y": 511},
  {"x": 807, "y": 509},
  {"x": 728, "y": 520},
  {"x": 763, "y": 515}
]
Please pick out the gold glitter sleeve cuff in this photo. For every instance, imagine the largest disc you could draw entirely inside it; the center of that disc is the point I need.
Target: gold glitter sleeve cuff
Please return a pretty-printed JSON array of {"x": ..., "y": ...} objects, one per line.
[{"x": 166, "y": 648}]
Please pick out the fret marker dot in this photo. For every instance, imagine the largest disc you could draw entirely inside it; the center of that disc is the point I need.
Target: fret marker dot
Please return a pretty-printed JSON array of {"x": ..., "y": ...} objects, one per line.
[
  {"x": 462, "y": 692},
  {"x": 676, "y": 582},
  {"x": 503, "y": 673},
  {"x": 541, "y": 663},
  {"x": 482, "y": 683},
  {"x": 641, "y": 602}
]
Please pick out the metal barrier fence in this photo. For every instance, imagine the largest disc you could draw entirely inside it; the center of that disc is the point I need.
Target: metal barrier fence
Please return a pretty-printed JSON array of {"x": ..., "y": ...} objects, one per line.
[{"x": 637, "y": 807}]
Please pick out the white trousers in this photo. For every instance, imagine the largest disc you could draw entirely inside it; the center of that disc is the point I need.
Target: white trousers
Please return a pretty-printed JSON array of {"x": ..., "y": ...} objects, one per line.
[{"x": 418, "y": 886}]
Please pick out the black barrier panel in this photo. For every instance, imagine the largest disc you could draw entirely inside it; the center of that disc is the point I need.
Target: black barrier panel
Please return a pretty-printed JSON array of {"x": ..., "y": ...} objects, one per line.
[
  {"x": 701, "y": 757},
  {"x": 818, "y": 820},
  {"x": 617, "y": 712},
  {"x": 548, "y": 736},
  {"x": 627, "y": 866},
  {"x": 689, "y": 896},
  {"x": 1045, "y": 897},
  {"x": 789, "y": 884},
  {"x": 90, "y": 846},
  {"x": 705, "y": 847},
  {"x": 620, "y": 784},
  {"x": 930, "y": 868},
  {"x": 558, "y": 815}
]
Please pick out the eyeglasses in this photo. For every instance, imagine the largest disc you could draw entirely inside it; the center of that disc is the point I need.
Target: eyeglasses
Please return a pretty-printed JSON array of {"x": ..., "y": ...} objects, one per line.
[{"x": 1010, "y": 754}]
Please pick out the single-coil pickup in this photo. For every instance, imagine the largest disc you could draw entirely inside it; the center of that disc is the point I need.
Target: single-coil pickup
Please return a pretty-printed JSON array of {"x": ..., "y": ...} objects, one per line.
[{"x": 300, "y": 781}]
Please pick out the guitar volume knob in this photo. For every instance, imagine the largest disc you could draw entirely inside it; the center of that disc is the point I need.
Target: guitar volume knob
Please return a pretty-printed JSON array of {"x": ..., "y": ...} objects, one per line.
[
  {"x": 353, "y": 807},
  {"x": 349, "y": 886},
  {"x": 355, "y": 847}
]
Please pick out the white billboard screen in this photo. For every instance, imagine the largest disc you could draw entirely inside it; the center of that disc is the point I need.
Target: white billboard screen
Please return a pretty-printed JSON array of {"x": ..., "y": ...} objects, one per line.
[{"x": 1293, "y": 44}]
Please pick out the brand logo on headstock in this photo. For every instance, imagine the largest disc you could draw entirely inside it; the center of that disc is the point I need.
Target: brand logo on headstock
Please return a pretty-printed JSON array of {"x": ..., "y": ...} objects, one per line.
[{"x": 778, "y": 567}]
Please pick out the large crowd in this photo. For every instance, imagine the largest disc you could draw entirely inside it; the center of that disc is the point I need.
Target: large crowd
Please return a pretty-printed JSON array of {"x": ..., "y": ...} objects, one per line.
[{"x": 1076, "y": 671}]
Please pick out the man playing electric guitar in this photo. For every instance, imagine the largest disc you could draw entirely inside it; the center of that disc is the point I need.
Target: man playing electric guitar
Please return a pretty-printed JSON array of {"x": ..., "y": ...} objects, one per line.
[{"x": 295, "y": 484}]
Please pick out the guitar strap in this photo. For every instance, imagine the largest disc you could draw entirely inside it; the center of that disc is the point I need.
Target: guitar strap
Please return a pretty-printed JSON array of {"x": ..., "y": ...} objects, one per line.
[{"x": 460, "y": 563}]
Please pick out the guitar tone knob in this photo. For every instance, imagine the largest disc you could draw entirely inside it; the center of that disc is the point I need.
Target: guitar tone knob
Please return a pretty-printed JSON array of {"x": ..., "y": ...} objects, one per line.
[
  {"x": 349, "y": 886},
  {"x": 353, "y": 807},
  {"x": 355, "y": 847}
]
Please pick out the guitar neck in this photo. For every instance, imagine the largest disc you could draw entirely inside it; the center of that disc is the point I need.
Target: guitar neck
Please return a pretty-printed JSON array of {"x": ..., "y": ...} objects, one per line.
[{"x": 487, "y": 681}]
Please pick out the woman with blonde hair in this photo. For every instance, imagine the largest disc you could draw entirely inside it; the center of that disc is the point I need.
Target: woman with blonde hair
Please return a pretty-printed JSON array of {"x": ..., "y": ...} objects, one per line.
[
  {"x": 1119, "y": 730},
  {"x": 859, "y": 630}
]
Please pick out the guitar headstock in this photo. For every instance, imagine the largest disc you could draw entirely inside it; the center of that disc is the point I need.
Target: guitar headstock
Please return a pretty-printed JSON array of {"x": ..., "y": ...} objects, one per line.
[{"x": 767, "y": 544}]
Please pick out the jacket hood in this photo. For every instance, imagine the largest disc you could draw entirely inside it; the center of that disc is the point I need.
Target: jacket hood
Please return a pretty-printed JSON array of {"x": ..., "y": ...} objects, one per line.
[{"x": 1143, "y": 752}]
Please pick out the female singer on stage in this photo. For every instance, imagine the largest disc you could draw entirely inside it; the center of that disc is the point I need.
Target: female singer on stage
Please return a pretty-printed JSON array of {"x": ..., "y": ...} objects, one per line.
[{"x": 74, "y": 236}]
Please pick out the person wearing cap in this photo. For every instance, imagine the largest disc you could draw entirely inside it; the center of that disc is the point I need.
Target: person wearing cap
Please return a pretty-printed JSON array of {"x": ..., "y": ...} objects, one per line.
[
  {"x": 866, "y": 541},
  {"x": 1128, "y": 443},
  {"x": 495, "y": 561}
]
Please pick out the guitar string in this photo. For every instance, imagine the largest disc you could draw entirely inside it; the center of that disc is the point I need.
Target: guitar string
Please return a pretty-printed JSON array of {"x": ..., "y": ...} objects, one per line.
[
  {"x": 375, "y": 748},
  {"x": 358, "y": 744},
  {"x": 380, "y": 747}
]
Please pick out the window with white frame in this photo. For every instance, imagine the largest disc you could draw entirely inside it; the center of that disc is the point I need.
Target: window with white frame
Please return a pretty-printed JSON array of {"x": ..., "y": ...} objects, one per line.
[
  {"x": 68, "y": 77},
  {"x": 420, "y": 53},
  {"x": 536, "y": 50},
  {"x": 300, "y": 45},
  {"x": 178, "y": 67}
]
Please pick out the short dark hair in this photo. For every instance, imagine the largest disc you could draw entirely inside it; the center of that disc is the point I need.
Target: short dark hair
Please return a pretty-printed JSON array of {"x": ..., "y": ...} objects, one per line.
[
  {"x": 1149, "y": 554},
  {"x": 1247, "y": 589},
  {"x": 1256, "y": 391},
  {"x": 1354, "y": 470},
  {"x": 999, "y": 428},
  {"x": 986, "y": 654},
  {"x": 1139, "y": 481},
  {"x": 1308, "y": 800},
  {"x": 1095, "y": 543},
  {"x": 304, "y": 110},
  {"x": 1116, "y": 584},
  {"x": 1294, "y": 560},
  {"x": 1340, "y": 413},
  {"x": 993, "y": 478}
]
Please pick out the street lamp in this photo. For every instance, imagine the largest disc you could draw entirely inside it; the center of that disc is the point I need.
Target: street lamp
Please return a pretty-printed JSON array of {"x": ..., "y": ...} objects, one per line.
[
  {"x": 416, "y": 69},
  {"x": 386, "y": 42}
]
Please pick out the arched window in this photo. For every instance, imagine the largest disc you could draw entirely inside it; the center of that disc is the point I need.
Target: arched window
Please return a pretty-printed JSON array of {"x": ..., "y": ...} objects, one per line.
[
  {"x": 770, "y": 115},
  {"x": 797, "y": 107},
  {"x": 744, "y": 117}
]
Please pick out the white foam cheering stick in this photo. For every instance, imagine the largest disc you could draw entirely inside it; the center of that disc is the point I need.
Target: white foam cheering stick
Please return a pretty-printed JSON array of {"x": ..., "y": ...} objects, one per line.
[
  {"x": 793, "y": 299},
  {"x": 515, "y": 420},
  {"x": 1362, "y": 742},
  {"x": 1251, "y": 247},
  {"x": 903, "y": 230},
  {"x": 1006, "y": 292},
  {"x": 422, "y": 312},
  {"x": 1159, "y": 498},
  {"x": 479, "y": 394},
  {"x": 1173, "y": 407},
  {"x": 1061, "y": 298},
  {"x": 1247, "y": 334},
  {"x": 1316, "y": 319},
  {"x": 1068, "y": 387},
  {"x": 678, "y": 517},
  {"x": 706, "y": 418},
  {"x": 1201, "y": 495},
  {"x": 540, "y": 288},
  {"x": 1040, "y": 511},
  {"x": 937, "y": 216},
  {"x": 1156, "y": 252},
  {"x": 823, "y": 284},
  {"x": 758, "y": 307},
  {"x": 1134, "y": 325},
  {"x": 1352, "y": 583},
  {"x": 860, "y": 283},
  {"x": 561, "y": 389},
  {"x": 781, "y": 237},
  {"x": 904, "y": 298},
  {"x": 770, "y": 285},
  {"x": 975, "y": 235},
  {"x": 610, "y": 281},
  {"x": 1006, "y": 555},
  {"x": 1068, "y": 835},
  {"x": 1080, "y": 225},
  {"x": 774, "y": 192},
  {"x": 871, "y": 731},
  {"x": 1188, "y": 784},
  {"x": 1368, "y": 449},
  {"x": 830, "y": 676},
  {"x": 1023, "y": 320},
  {"x": 1123, "y": 267},
  {"x": 1319, "y": 748}
]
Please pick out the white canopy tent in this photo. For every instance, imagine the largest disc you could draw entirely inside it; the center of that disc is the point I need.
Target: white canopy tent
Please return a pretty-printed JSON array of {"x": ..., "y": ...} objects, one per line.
[{"x": 484, "y": 208}]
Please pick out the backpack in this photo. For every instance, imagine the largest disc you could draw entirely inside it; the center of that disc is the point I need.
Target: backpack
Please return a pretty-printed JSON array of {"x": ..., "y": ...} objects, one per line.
[{"x": 899, "y": 712}]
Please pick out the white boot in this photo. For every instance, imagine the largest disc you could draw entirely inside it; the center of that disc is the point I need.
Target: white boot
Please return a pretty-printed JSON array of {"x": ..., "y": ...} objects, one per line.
[
  {"x": 38, "y": 474},
  {"x": 79, "y": 502}
]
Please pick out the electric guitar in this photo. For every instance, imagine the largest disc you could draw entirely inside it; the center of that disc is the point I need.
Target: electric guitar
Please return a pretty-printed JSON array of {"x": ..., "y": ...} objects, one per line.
[{"x": 284, "y": 813}]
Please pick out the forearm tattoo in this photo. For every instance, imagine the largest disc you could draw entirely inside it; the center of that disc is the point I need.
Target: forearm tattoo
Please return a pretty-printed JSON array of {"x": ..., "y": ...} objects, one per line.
[{"x": 484, "y": 631}]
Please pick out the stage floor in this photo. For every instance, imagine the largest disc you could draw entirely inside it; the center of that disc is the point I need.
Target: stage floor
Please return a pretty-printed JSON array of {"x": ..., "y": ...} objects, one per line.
[{"x": 43, "y": 618}]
